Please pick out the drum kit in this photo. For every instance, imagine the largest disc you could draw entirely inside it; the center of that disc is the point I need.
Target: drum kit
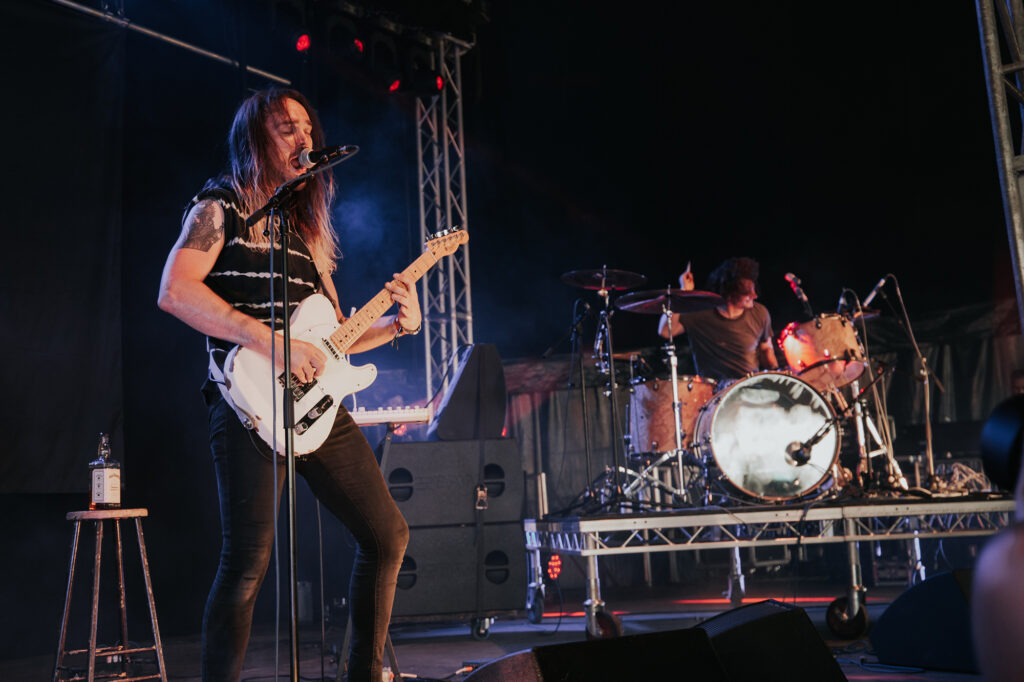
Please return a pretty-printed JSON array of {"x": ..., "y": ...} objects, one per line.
[{"x": 769, "y": 437}]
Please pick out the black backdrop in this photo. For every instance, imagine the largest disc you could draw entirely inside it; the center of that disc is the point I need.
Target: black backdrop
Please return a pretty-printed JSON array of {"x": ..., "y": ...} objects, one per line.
[{"x": 61, "y": 277}]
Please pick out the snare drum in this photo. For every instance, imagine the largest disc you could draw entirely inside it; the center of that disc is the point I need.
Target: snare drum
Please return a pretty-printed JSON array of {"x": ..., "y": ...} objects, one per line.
[
  {"x": 824, "y": 351},
  {"x": 748, "y": 429},
  {"x": 652, "y": 427}
]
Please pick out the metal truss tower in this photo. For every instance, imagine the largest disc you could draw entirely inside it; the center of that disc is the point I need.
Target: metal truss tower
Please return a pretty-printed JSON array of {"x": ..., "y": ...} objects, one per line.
[
  {"x": 440, "y": 155},
  {"x": 1004, "y": 62}
]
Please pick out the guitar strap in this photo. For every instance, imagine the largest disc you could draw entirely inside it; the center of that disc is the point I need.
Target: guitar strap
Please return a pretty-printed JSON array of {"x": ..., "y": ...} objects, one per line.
[{"x": 215, "y": 374}]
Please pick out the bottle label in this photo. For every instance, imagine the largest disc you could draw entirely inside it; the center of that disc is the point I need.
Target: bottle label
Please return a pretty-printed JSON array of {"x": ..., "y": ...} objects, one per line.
[{"x": 106, "y": 486}]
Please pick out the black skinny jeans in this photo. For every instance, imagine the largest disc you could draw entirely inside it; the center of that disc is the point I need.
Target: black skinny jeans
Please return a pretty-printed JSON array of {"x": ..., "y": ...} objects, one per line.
[{"x": 343, "y": 474}]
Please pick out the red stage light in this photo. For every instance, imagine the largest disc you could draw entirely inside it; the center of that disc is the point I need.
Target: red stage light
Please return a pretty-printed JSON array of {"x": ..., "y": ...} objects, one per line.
[
  {"x": 302, "y": 42},
  {"x": 358, "y": 44},
  {"x": 440, "y": 87},
  {"x": 395, "y": 84},
  {"x": 554, "y": 566}
]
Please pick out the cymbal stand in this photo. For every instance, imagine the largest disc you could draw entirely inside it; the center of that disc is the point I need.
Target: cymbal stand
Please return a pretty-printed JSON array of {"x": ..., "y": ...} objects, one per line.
[
  {"x": 604, "y": 339},
  {"x": 673, "y": 363}
]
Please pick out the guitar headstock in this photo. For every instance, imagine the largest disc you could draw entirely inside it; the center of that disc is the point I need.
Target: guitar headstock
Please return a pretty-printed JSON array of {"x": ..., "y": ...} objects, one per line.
[{"x": 446, "y": 242}]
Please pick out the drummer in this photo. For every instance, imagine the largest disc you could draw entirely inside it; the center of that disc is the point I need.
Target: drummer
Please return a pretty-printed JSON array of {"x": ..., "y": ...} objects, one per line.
[{"x": 734, "y": 339}]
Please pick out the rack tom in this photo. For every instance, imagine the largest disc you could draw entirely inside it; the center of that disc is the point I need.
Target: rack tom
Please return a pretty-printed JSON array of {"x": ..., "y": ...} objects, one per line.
[{"x": 824, "y": 351}]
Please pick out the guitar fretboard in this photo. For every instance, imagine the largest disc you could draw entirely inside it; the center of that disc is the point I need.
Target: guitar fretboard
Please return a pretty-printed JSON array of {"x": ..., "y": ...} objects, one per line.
[{"x": 354, "y": 327}]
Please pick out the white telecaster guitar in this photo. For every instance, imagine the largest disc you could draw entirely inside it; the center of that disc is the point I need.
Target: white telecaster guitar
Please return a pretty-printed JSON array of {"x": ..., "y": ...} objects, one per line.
[{"x": 247, "y": 372}]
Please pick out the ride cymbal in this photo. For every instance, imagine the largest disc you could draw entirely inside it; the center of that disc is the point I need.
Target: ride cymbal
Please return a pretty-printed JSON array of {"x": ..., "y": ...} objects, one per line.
[
  {"x": 677, "y": 300},
  {"x": 603, "y": 279}
]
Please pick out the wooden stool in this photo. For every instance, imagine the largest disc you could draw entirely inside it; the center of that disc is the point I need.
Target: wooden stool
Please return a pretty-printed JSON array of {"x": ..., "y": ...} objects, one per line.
[{"x": 122, "y": 650}]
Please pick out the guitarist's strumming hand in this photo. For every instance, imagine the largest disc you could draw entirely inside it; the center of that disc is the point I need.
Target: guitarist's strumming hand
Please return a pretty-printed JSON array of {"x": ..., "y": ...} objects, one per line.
[
  {"x": 308, "y": 361},
  {"x": 403, "y": 293}
]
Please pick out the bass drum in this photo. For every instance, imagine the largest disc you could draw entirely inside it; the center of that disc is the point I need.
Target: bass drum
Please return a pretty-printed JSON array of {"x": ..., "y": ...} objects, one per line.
[{"x": 748, "y": 428}]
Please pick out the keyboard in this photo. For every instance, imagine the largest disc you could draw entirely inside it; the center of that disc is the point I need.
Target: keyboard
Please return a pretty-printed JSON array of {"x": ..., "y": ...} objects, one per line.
[{"x": 392, "y": 415}]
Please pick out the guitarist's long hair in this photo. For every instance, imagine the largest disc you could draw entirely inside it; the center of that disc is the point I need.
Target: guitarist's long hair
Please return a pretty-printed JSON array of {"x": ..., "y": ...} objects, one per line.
[{"x": 248, "y": 174}]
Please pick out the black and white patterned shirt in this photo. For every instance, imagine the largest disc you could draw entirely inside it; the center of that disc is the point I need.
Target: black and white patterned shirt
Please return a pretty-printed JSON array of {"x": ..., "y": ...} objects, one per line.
[{"x": 241, "y": 272}]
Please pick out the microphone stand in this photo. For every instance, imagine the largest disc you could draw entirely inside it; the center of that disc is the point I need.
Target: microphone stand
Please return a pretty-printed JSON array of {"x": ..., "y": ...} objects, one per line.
[
  {"x": 925, "y": 373},
  {"x": 576, "y": 344},
  {"x": 282, "y": 198}
]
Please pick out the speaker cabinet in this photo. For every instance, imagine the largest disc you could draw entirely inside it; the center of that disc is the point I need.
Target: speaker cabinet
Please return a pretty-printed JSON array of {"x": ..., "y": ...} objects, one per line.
[
  {"x": 434, "y": 483},
  {"x": 439, "y": 575},
  {"x": 474, "y": 405},
  {"x": 929, "y": 626},
  {"x": 675, "y": 655},
  {"x": 770, "y": 641}
]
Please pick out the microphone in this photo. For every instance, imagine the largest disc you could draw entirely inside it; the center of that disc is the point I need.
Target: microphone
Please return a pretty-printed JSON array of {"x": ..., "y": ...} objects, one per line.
[
  {"x": 797, "y": 453},
  {"x": 794, "y": 283},
  {"x": 874, "y": 292},
  {"x": 311, "y": 158}
]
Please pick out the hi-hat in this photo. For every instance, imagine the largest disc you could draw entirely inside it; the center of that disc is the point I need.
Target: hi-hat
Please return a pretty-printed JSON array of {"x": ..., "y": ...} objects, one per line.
[
  {"x": 604, "y": 279},
  {"x": 677, "y": 300}
]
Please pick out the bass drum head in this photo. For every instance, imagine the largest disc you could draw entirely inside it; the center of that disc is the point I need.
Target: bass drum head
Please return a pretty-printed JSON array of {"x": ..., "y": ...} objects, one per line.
[{"x": 748, "y": 427}]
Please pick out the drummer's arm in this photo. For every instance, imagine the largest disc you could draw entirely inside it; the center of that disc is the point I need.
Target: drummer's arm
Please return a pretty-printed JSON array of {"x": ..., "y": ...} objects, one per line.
[
  {"x": 667, "y": 329},
  {"x": 766, "y": 353}
]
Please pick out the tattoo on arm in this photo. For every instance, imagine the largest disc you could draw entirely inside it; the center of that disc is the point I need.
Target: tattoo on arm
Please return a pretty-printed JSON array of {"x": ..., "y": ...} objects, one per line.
[{"x": 205, "y": 227}]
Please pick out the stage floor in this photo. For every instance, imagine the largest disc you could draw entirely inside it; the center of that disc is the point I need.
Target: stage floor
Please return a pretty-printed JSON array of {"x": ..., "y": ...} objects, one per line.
[{"x": 440, "y": 650}]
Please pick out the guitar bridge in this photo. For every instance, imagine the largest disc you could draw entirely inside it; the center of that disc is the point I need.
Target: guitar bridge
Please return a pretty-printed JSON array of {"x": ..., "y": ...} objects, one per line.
[
  {"x": 317, "y": 411},
  {"x": 299, "y": 389}
]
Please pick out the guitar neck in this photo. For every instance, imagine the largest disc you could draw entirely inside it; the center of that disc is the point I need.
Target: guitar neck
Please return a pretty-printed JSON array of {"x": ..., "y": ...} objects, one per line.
[{"x": 355, "y": 326}]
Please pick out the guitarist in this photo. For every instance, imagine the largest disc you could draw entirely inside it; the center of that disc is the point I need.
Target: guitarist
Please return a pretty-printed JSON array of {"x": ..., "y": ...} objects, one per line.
[{"x": 215, "y": 280}]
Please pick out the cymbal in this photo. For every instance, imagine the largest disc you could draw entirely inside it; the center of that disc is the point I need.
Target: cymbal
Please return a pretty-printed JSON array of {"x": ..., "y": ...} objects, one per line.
[
  {"x": 679, "y": 301},
  {"x": 604, "y": 278}
]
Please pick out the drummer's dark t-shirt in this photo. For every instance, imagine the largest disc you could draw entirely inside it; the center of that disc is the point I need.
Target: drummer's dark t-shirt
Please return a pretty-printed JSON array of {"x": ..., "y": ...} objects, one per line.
[{"x": 724, "y": 348}]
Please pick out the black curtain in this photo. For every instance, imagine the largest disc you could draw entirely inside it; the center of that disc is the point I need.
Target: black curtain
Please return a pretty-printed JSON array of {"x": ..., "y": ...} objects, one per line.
[{"x": 60, "y": 283}]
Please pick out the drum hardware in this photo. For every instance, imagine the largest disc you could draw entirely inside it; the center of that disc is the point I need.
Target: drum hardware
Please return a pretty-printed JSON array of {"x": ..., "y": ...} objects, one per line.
[
  {"x": 666, "y": 302},
  {"x": 604, "y": 282},
  {"x": 865, "y": 426}
]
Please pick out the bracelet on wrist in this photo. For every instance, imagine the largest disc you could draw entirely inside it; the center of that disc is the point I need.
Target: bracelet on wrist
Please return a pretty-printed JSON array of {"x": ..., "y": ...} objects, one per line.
[{"x": 402, "y": 331}]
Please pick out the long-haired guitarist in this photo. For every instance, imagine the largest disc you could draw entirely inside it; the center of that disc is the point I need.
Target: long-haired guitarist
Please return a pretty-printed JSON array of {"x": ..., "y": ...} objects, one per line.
[{"x": 216, "y": 281}]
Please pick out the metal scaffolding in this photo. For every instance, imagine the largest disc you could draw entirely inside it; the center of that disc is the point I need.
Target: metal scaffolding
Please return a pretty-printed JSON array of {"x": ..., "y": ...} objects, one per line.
[
  {"x": 1004, "y": 62},
  {"x": 441, "y": 160}
]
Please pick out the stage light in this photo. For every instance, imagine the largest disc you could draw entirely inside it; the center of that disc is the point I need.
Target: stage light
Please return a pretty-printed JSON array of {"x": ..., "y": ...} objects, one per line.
[
  {"x": 421, "y": 78},
  {"x": 554, "y": 566},
  {"x": 384, "y": 61},
  {"x": 345, "y": 38},
  {"x": 302, "y": 43}
]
